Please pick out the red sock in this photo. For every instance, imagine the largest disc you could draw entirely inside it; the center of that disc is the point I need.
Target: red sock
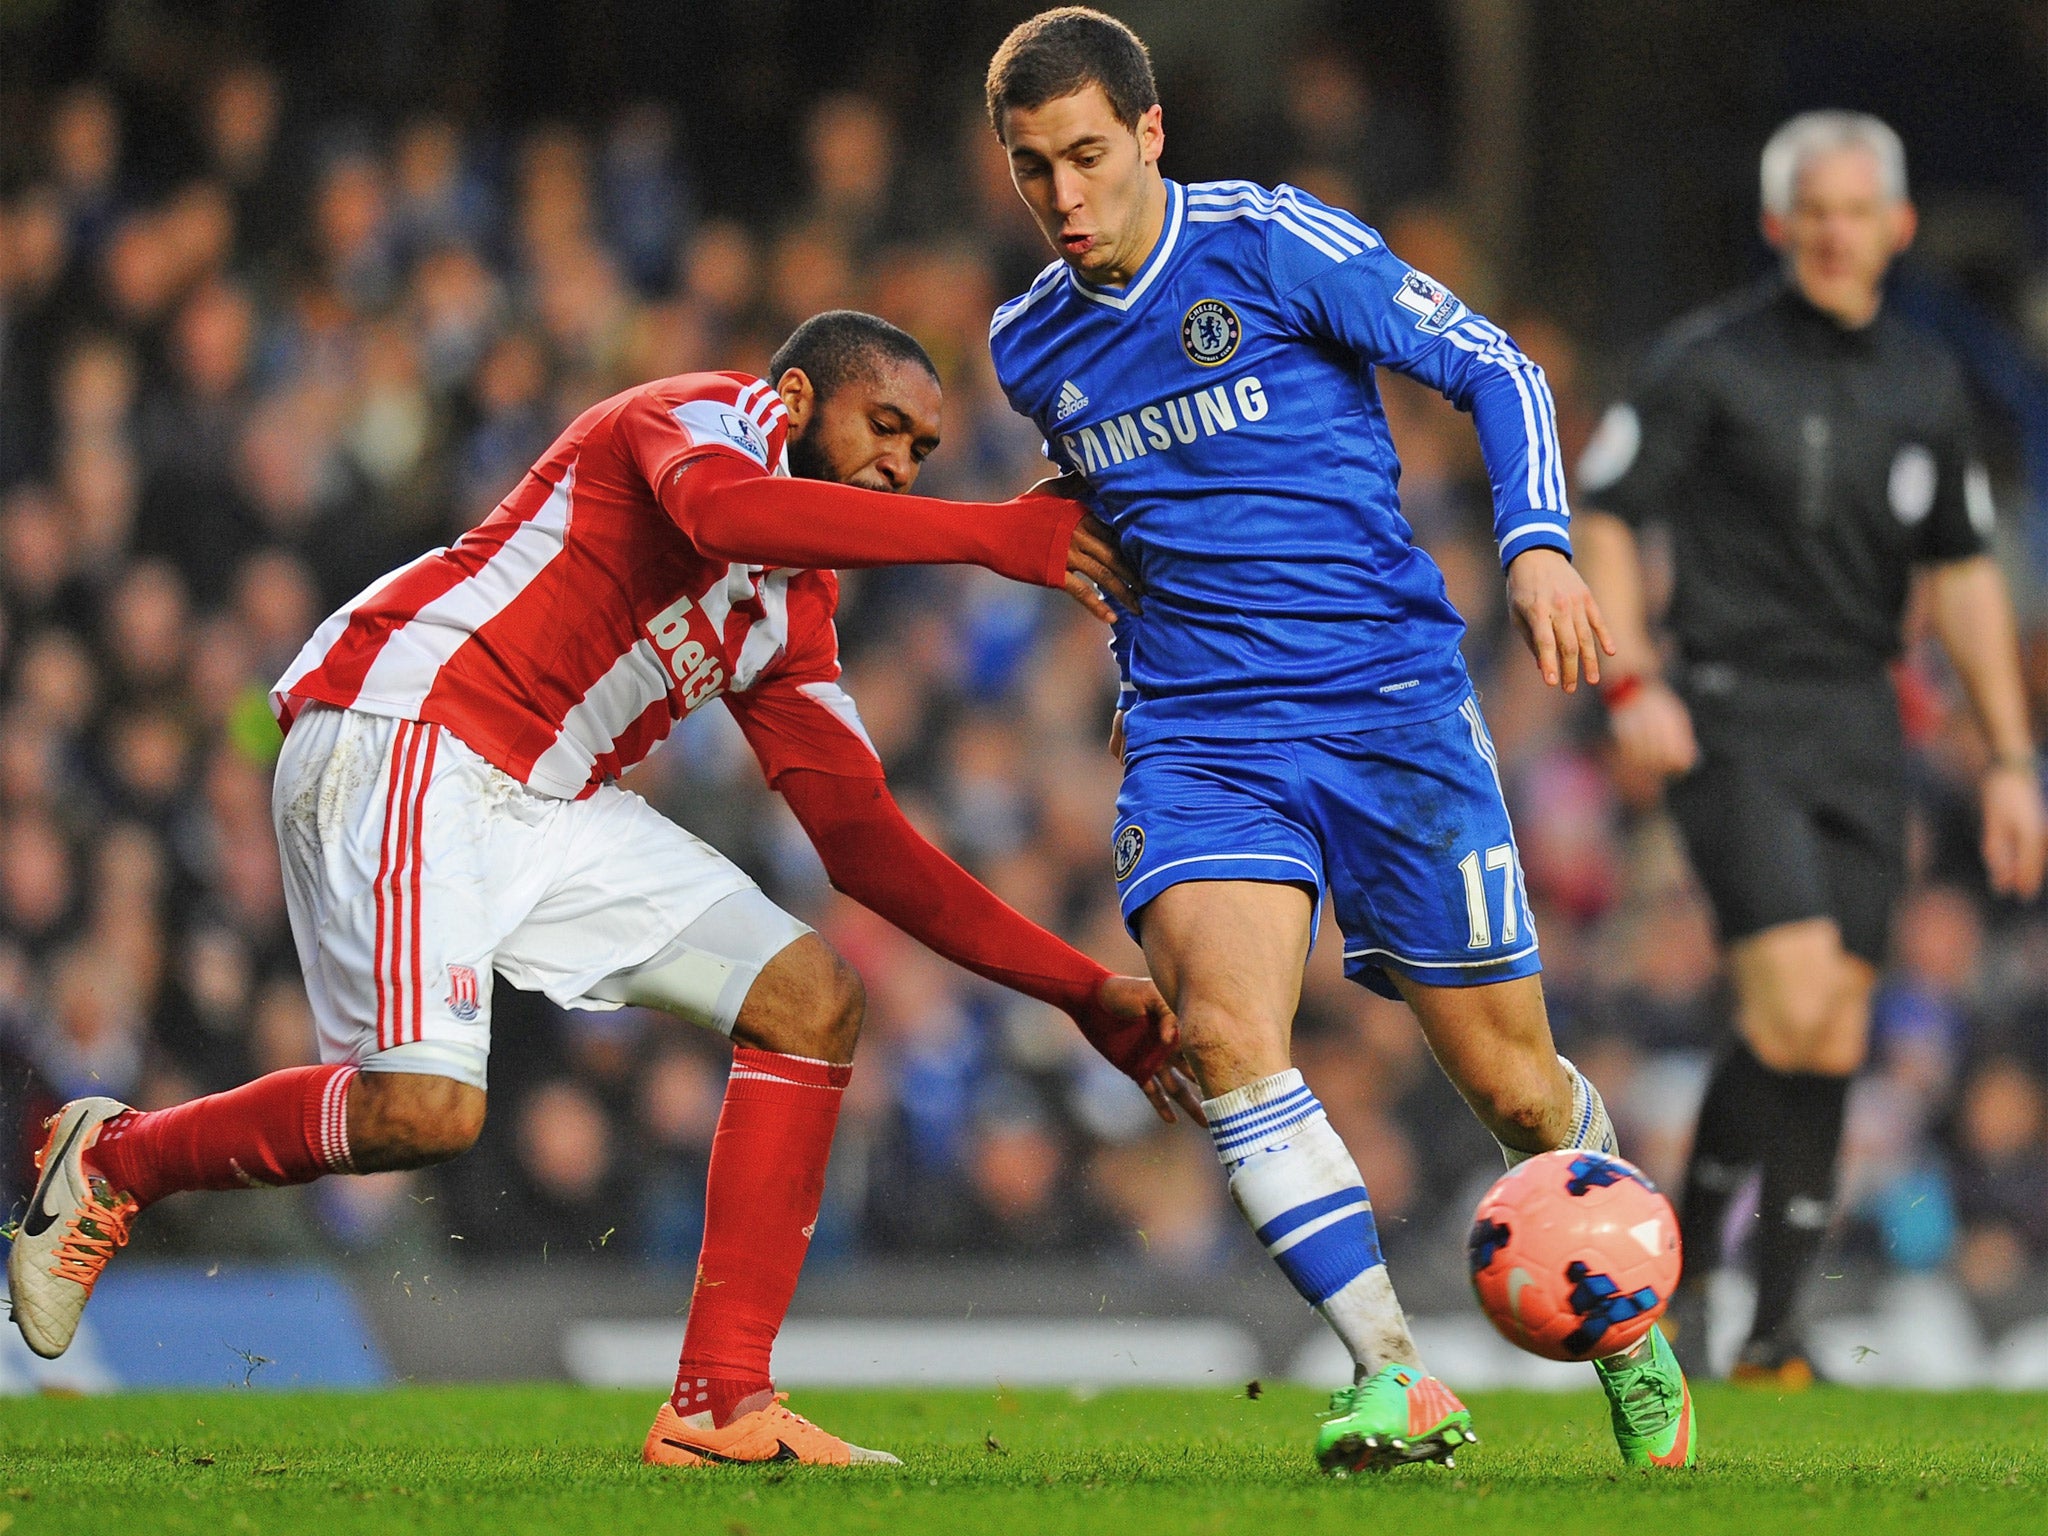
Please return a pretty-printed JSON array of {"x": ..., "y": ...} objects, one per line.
[
  {"x": 287, "y": 1128},
  {"x": 760, "y": 1208}
]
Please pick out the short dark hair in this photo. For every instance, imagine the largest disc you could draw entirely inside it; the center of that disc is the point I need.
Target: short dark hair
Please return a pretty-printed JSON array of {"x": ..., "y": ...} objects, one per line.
[
  {"x": 842, "y": 345},
  {"x": 1059, "y": 52}
]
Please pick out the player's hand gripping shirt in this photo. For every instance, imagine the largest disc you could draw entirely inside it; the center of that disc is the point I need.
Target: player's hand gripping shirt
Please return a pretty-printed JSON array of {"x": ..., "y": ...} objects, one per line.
[
  {"x": 1222, "y": 410},
  {"x": 564, "y": 636}
]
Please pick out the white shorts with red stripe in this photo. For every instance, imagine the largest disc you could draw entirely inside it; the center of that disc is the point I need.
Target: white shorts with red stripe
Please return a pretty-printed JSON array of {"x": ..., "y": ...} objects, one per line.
[{"x": 414, "y": 870}]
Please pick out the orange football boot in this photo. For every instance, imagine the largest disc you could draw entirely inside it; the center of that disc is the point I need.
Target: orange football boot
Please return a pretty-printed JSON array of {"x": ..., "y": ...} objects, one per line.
[{"x": 769, "y": 1433}]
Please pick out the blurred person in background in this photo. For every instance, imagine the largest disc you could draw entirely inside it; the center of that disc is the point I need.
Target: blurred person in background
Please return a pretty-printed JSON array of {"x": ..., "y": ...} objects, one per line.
[
  {"x": 2002, "y": 1193},
  {"x": 447, "y": 807},
  {"x": 1810, "y": 453},
  {"x": 568, "y": 1164},
  {"x": 239, "y": 114},
  {"x": 1020, "y": 1177}
]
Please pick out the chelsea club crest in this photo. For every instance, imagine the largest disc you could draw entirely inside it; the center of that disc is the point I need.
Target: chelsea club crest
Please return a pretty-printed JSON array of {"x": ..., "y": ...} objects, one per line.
[
  {"x": 1210, "y": 332},
  {"x": 1130, "y": 847}
]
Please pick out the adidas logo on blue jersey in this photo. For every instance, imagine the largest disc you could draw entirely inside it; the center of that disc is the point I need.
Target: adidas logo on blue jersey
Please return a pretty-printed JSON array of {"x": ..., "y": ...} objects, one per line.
[{"x": 1071, "y": 400}]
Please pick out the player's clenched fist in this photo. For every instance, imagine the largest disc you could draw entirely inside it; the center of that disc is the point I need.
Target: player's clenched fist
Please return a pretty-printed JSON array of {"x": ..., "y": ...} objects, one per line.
[{"x": 1555, "y": 611}]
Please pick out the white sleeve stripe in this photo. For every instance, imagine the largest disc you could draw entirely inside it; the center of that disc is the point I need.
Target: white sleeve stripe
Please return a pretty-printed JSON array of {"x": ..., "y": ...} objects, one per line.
[
  {"x": 1276, "y": 206},
  {"x": 1553, "y": 456},
  {"x": 1331, "y": 227},
  {"x": 1530, "y": 530},
  {"x": 1558, "y": 490},
  {"x": 1539, "y": 410},
  {"x": 1335, "y": 253},
  {"x": 1338, "y": 226},
  {"x": 1538, "y": 483},
  {"x": 1546, "y": 405},
  {"x": 1224, "y": 215},
  {"x": 1212, "y": 197},
  {"x": 1010, "y": 312},
  {"x": 1350, "y": 221},
  {"x": 1536, "y": 408},
  {"x": 1496, "y": 346},
  {"x": 1334, "y": 218}
]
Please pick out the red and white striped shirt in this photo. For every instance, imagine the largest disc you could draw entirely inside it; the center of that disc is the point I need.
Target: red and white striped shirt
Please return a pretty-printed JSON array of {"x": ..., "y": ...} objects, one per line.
[{"x": 564, "y": 636}]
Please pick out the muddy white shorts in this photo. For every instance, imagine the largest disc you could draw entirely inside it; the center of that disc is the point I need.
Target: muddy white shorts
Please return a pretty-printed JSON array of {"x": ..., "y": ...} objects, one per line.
[{"x": 414, "y": 870}]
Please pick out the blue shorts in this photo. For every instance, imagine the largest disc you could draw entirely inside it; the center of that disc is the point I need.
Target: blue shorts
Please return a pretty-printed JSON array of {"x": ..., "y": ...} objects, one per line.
[{"x": 1403, "y": 825}]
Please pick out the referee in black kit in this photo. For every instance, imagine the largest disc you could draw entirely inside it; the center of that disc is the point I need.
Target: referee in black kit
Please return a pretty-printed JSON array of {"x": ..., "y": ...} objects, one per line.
[{"x": 1808, "y": 452}]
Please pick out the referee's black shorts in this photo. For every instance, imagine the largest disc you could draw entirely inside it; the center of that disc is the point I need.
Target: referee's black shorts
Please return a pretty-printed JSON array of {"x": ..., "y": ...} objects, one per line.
[{"x": 1797, "y": 809}]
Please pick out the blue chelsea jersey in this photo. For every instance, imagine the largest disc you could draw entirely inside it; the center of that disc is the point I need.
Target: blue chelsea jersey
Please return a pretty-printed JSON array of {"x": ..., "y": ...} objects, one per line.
[{"x": 1222, "y": 410}]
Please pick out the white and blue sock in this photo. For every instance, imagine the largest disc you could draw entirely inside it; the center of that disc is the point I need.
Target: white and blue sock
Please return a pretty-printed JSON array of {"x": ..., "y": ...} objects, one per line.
[
  {"x": 1591, "y": 1129},
  {"x": 1301, "y": 1192}
]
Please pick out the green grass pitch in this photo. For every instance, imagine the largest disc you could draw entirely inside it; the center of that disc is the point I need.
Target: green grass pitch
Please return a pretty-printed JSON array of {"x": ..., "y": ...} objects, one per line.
[{"x": 565, "y": 1461}]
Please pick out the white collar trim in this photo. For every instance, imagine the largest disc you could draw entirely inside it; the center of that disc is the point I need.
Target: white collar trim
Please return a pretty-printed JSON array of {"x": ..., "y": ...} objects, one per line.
[{"x": 1123, "y": 298}]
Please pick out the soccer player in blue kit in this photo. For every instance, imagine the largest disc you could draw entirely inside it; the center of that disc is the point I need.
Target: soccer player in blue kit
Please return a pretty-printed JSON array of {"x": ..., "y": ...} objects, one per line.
[{"x": 1296, "y": 716}]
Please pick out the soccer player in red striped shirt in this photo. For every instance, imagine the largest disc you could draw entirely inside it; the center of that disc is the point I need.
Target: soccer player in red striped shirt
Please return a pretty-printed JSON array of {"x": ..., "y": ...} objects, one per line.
[{"x": 448, "y": 811}]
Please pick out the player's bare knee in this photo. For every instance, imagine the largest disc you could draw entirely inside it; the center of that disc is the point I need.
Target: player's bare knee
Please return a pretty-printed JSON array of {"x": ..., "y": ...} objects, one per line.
[
  {"x": 1789, "y": 1029},
  {"x": 1525, "y": 1100},
  {"x": 1204, "y": 1026},
  {"x": 1229, "y": 1049},
  {"x": 1523, "y": 1113},
  {"x": 1841, "y": 1047},
  {"x": 411, "y": 1119},
  {"x": 807, "y": 1002},
  {"x": 841, "y": 1008}
]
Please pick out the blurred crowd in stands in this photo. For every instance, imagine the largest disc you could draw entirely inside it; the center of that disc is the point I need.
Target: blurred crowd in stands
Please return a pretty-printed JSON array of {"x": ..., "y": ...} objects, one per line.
[{"x": 231, "y": 396}]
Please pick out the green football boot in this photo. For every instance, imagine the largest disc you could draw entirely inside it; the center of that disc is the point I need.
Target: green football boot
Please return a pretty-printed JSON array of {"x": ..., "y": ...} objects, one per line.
[
  {"x": 1651, "y": 1406},
  {"x": 1398, "y": 1416}
]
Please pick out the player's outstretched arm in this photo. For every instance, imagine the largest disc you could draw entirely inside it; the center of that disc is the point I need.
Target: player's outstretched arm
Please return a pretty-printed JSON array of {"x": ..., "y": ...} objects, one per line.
[
  {"x": 873, "y": 854},
  {"x": 732, "y": 511},
  {"x": 1555, "y": 611}
]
